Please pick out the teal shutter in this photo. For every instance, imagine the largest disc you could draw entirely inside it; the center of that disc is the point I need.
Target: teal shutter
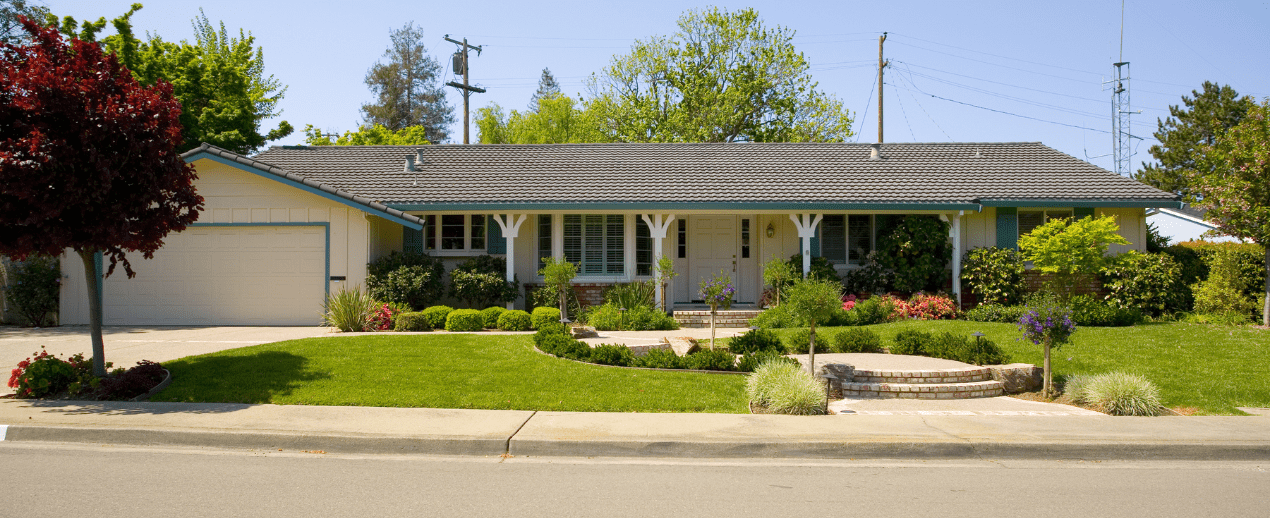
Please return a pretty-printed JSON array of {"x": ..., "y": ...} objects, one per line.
[
  {"x": 412, "y": 241},
  {"x": 495, "y": 238},
  {"x": 1006, "y": 227},
  {"x": 1084, "y": 212},
  {"x": 815, "y": 242}
]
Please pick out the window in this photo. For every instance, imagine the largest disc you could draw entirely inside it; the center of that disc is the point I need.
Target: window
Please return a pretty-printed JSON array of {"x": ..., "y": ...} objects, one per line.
[
  {"x": 680, "y": 239},
  {"x": 746, "y": 226},
  {"x": 454, "y": 232},
  {"x": 846, "y": 239},
  {"x": 1027, "y": 220},
  {"x": 545, "y": 239},
  {"x": 644, "y": 249},
  {"x": 594, "y": 242}
]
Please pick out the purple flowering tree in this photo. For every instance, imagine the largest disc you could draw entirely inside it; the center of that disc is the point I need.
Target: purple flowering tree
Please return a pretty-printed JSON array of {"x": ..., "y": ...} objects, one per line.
[
  {"x": 717, "y": 292},
  {"x": 1048, "y": 325}
]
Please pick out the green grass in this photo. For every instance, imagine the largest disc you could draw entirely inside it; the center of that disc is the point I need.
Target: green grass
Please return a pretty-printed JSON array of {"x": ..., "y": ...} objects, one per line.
[
  {"x": 440, "y": 371},
  {"x": 1213, "y": 368}
]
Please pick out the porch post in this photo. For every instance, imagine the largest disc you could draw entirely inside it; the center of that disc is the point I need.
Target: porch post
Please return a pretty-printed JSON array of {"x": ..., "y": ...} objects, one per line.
[
  {"x": 956, "y": 255},
  {"x": 509, "y": 228},
  {"x": 658, "y": 224},
  {"x": 806, "y": 226}
]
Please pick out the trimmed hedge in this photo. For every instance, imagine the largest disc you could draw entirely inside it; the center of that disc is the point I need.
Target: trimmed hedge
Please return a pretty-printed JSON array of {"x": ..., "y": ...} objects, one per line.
[
  {"x": 411, "y": 321},
  {"x": 490, "y": 317},
  {"x": 465, "y": 320},
  {"x": 541, "y": 317},
  {"x": 949, "y": 346},
  {"x": 798, "y": 342},
  {"x": 515, "y": 320},
  {"x": 757, "y": 340},
  {"x": 435, "y": 316},
  {"x": 856, "y": 340}
]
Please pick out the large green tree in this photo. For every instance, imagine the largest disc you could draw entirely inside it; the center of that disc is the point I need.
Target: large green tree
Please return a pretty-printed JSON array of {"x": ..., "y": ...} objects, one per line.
[
  {"x": 220, "y": 80},
  {"x": 724, "y": 76},
  {"x": 369, "y": 136},
  {"x": 10, "y": 30},
  {"x": 558, "y": 120},
  {"x": 406, "y": 87},
  {"x": 1232, "y": 181},
  {"x": 1191, "y": 127}
]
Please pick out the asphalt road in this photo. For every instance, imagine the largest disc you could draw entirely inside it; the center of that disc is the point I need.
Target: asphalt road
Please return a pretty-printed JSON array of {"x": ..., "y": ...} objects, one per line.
[{"x": 48, "y": 479}]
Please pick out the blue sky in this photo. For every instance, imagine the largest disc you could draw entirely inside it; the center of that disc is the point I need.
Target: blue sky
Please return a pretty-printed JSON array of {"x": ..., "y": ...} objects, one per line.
[{"x": 957, "y": 67}]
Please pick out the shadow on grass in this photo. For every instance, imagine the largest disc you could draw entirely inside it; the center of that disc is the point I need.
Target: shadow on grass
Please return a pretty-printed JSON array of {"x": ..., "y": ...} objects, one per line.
[{"x": 251, "y": 378}]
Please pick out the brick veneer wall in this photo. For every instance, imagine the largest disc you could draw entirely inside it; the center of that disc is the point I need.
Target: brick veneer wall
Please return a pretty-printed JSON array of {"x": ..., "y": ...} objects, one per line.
[{"x": 589, "y": 293}]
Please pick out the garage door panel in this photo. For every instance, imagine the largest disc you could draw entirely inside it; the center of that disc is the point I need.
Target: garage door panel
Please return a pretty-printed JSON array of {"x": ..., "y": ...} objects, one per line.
[{"x": 225, "y": 276}]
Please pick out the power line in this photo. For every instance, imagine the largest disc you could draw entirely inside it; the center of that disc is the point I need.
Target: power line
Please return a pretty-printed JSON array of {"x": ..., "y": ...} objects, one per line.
[
  {"x": 1012, "y": 114},
  {"x": 904, "y": 117},
  {"x": 909, "y": 64},
  {"x": 921, "y": 108},
  {"x": 858, "y": 136},
  {"x": 1003, "y": 57}
]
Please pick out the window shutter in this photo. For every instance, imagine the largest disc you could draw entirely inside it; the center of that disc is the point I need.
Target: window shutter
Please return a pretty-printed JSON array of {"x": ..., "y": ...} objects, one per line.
[
  {"x": 1006, "y": 227},
  {"x": 815, "y": 244},
  {"x": 1083, "y": 212},
  {"x": 495, "y": 243},
  {"x": 412, "y": 241}
]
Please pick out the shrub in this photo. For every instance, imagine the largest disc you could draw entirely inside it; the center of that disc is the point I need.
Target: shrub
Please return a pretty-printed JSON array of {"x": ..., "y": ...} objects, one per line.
[
  {"x": 131, "y": 383},
  {"x": 819, "y": 269},
  {"x": 995, "y": 313},
  {"x": 45, "y": 374},
  {"x": 555, "y": 339},
  {"x": 490, "y": 317},
  {"x": 383, "y": 315},
  {"x": 33, "y": 288},
  {"x": 548, "y": 330},
  {"x": 1250, "y": 268},
  {"x": 756, "y": 340},
  {"x": 910, "y": 341},
  {"x": 857, "y": 340},
  {"x": 409, "y": 278},
  {"x": 540, "y": 317},
  {"x": 659, "y": 359},
  {"x": 1229, "y": 318},
  {"x": 1150, "y": 283},
  {"x": 775, "y": 318},
  {"x": 1227, "y": 287},
  {"x": 931, "y": 307},
  {"x": 750, "y": 361},
  {"x": 965, "y": 349},
  {"x": 994, "y": 275},
  {"x": 871, "y": 278},
  {"x": 1069, "y": 250},
  {"x": 436, "y": 316},
  {"x": 784, "y": 389},
  {"x": 916, "y": 250},
  {"x": 631, "y": 295},
  {"x": 349, "y": 310},
  {"x": 411, "y": 321},
  {"x": 874, "y": 310},
  {"x": 480, "y": 282},
  {"x": 1087, "y": 311},
  {"x": 709, "y": 360},
  {"x": 607, "y": 317},
  {"x": 1116, "y": 393},
  {"x": 616, "y": 354},
  {"x": 798, "y": 342},
  {"x": 464, "y": 320},
  {"x": 515, "y": 320}
]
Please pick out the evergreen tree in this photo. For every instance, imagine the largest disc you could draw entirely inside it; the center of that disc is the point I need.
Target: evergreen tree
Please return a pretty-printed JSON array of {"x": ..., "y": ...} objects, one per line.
[
  {"x": 1196, "y": 125},
  {"x": 406, "y": 88},
  {"x": 548, "y": 88}
]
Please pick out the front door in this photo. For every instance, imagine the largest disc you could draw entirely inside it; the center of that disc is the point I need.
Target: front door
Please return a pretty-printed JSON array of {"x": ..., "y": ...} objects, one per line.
[{"x": 713, "y": 248}]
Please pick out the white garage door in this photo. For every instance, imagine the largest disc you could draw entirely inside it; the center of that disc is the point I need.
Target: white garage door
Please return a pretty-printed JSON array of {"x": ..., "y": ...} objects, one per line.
[{"x": 252, "y": 275}]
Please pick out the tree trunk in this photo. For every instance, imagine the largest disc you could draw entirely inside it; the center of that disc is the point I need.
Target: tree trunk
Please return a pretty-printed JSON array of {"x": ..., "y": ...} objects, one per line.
[
  {"x": 94, "y": 310},
  {"x": 813, "y": 337},
  {"x": 1047, "y": 368},
  {"x": 712, "y": 344},
  {"x": 1268, "y": 284}
]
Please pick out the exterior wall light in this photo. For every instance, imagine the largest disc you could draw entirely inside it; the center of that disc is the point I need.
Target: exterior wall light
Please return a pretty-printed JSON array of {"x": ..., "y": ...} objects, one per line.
[{"x": 769, "y": 230}]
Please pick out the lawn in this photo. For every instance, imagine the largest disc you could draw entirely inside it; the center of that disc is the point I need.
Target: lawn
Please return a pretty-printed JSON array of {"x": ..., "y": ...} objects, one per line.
[
  {"x": 440, "y": 371},
  {"x": 1209, "y": 367}
]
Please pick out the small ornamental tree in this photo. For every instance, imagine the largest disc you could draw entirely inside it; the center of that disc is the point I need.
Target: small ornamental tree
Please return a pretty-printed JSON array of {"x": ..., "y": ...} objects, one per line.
[
  {"x": 558, "y": 272},
  {"x": 813, "y": 300},
  {"x": 88, "y": 160},
  {"x": 1047, "y": 324},
  {"x": 778, "y": 274},
  {"x": 1068, "y": 250},
  {"x": 717, "y": 292}
]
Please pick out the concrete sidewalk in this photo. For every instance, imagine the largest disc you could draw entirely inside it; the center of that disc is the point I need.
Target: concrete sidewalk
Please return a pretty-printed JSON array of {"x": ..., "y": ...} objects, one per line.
[{"x": 579, "y": 434}]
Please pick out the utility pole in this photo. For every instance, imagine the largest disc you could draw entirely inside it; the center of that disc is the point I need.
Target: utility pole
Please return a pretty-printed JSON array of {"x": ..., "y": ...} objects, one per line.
[
  {"x": 881, "y": 83},
  {"x": 460, "y": 64}
]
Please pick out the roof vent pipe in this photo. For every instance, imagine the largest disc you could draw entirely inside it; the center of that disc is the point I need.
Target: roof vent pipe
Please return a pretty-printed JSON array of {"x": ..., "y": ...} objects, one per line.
[
  {"x": 410, "y": 165},
  {"x": 419, "y": 156},
  {"x": 875, "y": 152}
]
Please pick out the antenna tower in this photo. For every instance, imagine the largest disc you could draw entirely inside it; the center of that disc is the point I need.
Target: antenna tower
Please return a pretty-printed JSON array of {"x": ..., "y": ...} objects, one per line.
[{"x": 1121, "y": 108}]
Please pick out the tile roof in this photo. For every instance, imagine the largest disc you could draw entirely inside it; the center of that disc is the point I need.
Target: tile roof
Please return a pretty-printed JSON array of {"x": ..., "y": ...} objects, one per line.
[{"x": 700, "y": 173}]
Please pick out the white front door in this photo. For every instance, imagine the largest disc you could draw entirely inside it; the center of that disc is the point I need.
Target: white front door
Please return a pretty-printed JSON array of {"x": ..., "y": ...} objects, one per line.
[{"x": 713, "y": 248}]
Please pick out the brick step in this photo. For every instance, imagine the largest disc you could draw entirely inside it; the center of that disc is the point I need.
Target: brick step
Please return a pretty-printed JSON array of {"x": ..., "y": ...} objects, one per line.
[
  {"x": 724, "y": 318},
  {"x": 923, "y": 390},
  {"x": 932, "y": 376}
]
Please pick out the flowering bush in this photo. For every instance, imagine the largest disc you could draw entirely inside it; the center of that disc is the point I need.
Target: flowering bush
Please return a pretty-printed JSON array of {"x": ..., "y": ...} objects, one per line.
[
  {"x": 382, "y": 318},
  {"x": 848, "y": 302},
  {"x": 46, "y": 374},
  {"x": 717, "y": 292},
  {"x": 1049, "y": 324},
  {"x": 932, "y": 307}
]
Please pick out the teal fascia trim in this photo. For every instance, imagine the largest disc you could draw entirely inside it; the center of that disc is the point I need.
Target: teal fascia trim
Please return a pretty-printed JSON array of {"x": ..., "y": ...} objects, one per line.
[
  {"x": 1163, "y": 204},
  {"x": 647, "y": 206},
  {"x": 327, "y": 242},
  {"x": 286, "y": 181}
]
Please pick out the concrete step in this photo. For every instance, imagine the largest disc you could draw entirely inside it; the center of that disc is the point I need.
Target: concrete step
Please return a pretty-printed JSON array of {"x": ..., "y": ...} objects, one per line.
[
  {"x": 724, "y": 318},
  {"x": 932, "y": 376},
  {"x": 922, "y": 390}
]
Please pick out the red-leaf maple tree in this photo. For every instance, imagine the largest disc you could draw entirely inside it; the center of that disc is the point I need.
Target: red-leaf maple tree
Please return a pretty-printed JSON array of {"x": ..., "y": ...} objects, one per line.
[{"x": 88, "y": 159}]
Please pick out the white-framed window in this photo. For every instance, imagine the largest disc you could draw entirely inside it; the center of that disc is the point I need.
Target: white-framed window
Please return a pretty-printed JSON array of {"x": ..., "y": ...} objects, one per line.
[
  {"x": 594, "y": 242},
  {"x": 1028, "y": 219},
  {"x": 847, "y": 238},
  {"x": 455, "y": 232}
]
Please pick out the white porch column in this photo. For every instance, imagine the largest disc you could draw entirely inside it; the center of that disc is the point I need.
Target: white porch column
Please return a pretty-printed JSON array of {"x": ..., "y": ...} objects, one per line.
[
  {"x": 658, "y": 224},
  {"x": 956, "y": 255},
  {"x": 806, "y": 226},
  {"x": 509, "y": 227}
]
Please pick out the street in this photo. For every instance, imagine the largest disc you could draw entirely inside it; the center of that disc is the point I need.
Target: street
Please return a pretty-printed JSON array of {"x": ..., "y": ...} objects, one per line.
[{"x": 55, "y": 479}]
